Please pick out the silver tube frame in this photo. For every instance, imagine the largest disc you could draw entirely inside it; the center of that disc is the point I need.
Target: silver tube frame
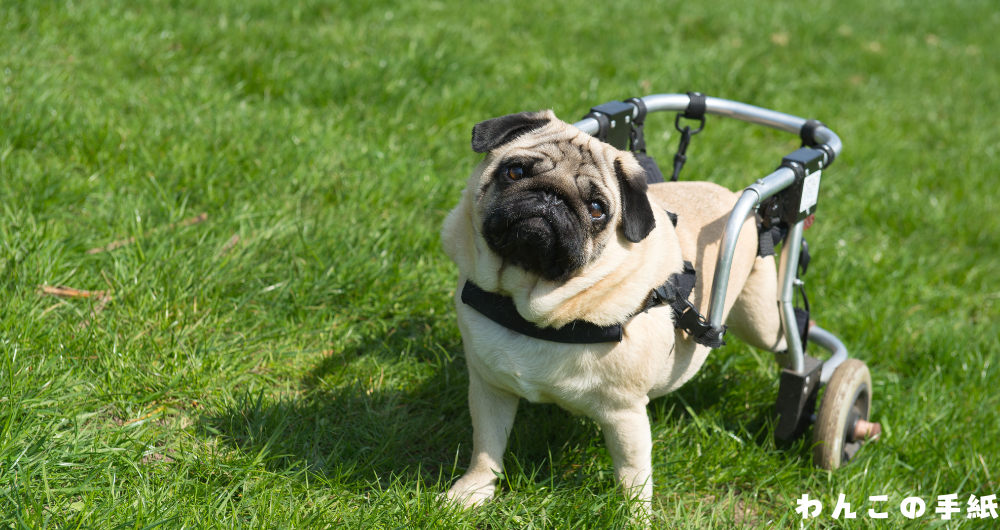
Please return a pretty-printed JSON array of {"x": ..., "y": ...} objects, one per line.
[
  {"x": 794, "y": 357},
  {"x": 831, "y": 343},
  {"x": 730, "y": 109},
  {"x": 752, "y": 196}
]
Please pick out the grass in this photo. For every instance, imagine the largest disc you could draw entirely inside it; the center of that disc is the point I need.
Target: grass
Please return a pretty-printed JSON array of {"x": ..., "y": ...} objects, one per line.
[{"x": 293, "y": 361}]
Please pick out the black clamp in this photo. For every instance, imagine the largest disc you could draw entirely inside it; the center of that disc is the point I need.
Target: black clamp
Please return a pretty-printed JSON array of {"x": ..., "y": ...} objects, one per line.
[
  {"x": 695, "y": 111},
  {"x": 808, "y": 135},
  {"x": 603, "y": 124},
  {"x": 794, "y": 203},
  {"x": 637, "y": 140},
  {"x": 614, "y": 119},
  {"x": 808, "y": 131},
  {"x": 798, "y": 200}
]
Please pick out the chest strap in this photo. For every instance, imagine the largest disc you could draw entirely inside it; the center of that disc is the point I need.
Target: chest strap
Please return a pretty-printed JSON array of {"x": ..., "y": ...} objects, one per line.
[
  {"x": 501, "y": 309},
  {"x": 674, "y": 292}
]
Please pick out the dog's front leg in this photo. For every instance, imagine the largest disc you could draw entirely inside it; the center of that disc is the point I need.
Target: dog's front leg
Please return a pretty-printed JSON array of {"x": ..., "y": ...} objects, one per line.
[
  {"x": 492, "y": 418},
  {"x": 630, "y": 443}
]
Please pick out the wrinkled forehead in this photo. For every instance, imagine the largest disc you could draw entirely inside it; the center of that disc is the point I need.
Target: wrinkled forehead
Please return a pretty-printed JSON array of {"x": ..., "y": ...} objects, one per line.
[{"x": 560, "y": 147}]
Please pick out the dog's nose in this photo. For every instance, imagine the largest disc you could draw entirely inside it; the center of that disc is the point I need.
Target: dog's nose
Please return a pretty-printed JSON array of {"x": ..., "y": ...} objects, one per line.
[{"x": 550, "y": 198}]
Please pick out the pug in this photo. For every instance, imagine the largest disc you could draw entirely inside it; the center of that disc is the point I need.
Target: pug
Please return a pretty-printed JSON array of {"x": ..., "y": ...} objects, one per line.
[{"x": 561, "y": 243}]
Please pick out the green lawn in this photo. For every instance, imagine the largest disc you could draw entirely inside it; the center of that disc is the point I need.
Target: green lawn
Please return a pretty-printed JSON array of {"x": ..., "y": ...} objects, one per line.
[{"x": 293, "y": 361}]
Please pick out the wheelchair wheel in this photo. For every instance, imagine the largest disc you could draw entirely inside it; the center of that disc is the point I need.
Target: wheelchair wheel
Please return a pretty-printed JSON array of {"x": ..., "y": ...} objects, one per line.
[{"x": 842, "y": 423}]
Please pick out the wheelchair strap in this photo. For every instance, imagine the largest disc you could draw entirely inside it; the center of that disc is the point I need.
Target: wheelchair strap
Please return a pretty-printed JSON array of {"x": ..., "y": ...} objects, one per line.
[
  {"x": 637, "y": 143},
  {"x": 695, "y": 111},
  {"x": 768, "y": 237}
]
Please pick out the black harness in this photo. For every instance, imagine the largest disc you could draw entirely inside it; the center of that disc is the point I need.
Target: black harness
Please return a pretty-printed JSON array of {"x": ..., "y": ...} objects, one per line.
[{"x": 674, "y": 292}]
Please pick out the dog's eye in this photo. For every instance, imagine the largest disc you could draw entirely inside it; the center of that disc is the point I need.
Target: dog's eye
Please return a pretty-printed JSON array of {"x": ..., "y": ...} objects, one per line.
[
  {"x": 595, "y": 209},
  {"x": 515, "y": 172}
]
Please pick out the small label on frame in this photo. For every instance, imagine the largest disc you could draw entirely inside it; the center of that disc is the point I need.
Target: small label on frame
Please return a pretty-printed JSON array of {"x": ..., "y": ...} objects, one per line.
[{"x": 810, "y": 191}]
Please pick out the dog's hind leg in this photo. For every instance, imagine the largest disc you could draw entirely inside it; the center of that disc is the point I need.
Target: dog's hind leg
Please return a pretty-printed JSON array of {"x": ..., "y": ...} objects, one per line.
[
  {"x": 492, "y": 418},
  {"x": 755, "y": 316}
]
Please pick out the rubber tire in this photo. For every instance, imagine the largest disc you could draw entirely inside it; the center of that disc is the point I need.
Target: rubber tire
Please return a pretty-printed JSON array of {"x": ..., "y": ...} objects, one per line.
[{"x": 850, "y": 384}]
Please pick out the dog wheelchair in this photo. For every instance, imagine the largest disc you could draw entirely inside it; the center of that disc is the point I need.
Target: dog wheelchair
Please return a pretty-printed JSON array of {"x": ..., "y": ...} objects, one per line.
[{"x": 784, "y": 203}]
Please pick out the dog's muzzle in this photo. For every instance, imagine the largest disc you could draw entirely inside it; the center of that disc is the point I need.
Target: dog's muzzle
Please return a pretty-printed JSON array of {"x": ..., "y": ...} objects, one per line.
[{"x": 538, "y": 231}]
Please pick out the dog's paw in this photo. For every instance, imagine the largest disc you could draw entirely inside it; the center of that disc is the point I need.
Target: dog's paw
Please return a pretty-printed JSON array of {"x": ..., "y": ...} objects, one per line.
[{"x": 469, "y": 493}]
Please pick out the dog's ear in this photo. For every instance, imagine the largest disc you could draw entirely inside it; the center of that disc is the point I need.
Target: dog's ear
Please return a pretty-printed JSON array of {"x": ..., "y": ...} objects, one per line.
[
  {"x": 637, "y": 213},
  {"x": 490, "y": 134}
]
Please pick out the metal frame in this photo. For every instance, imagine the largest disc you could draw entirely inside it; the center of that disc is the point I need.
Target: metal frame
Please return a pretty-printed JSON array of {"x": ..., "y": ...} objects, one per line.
[{"x": 753, "y": 196}]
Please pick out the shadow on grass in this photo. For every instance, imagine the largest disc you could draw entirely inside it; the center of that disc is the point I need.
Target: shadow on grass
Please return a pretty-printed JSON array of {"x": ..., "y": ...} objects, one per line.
[{"x": 369, "y": 435}]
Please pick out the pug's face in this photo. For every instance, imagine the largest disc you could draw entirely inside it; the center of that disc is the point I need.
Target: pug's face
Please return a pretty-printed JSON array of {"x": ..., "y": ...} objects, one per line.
[{"x": 551, "y": 196}]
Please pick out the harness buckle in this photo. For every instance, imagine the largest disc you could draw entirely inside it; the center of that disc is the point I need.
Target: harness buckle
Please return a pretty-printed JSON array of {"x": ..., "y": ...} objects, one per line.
[{"x": 692, "y": 321}]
